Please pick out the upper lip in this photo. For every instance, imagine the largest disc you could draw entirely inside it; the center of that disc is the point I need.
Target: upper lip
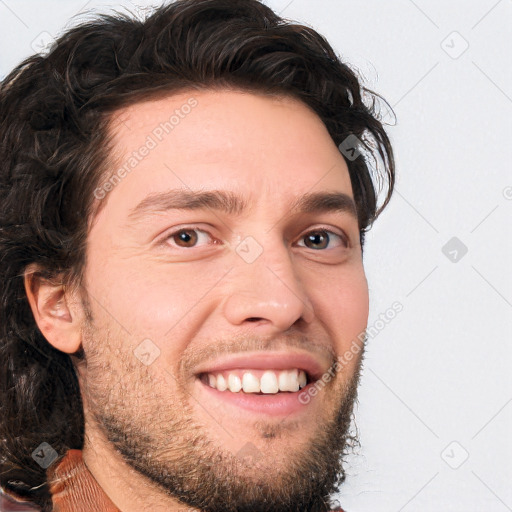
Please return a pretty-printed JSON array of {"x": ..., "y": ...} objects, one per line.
[{"x": 275, "y": 360}]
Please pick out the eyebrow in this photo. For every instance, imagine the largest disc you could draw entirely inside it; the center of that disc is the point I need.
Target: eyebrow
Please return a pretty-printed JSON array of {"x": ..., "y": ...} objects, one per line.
[
  {"x": 324, "y": 202},
  {"x": 180, "y": 199},
  {"x": 230, "y": 203}
]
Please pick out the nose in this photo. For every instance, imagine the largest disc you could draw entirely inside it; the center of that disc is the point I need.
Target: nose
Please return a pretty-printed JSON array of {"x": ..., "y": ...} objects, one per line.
[{"x": 267, "y": 292}]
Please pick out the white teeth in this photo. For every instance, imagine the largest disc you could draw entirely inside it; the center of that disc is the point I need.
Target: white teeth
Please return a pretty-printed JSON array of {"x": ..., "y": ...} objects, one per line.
[
  {"x": 271, "y": 381},
  {"x": 268, "y": 383},
  {"x": 250, "y": 383},
  {"x": 288, "y": 380},
  {"x": 221, "y": 383},
  {"x": 303, "y": 380},
  {"x": 234, "y": 383}
]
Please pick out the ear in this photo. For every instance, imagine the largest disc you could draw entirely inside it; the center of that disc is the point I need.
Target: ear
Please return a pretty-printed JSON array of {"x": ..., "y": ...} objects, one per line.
[{"x": 55, "y": 311}]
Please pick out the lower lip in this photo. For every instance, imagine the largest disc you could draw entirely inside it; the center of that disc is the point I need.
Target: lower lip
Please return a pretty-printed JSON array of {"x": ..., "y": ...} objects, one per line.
[{"x": 279, "y": 404}]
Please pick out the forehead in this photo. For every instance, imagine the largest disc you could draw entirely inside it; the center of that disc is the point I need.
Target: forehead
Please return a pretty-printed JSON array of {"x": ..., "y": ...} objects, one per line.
[{"x": 261, "y": 147}]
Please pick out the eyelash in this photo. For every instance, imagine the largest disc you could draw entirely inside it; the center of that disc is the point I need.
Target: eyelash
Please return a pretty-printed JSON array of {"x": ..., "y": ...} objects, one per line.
[{"x": 344, "y": 239}]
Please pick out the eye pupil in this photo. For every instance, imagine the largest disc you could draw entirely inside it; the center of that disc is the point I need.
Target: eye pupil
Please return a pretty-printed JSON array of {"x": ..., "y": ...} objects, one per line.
[
  {"x": 317, "y": 240},
  {"x": 186, "y": 238}
]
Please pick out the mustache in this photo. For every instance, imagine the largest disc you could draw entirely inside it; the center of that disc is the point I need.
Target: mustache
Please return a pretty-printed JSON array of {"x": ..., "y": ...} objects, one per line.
[{"x": 195, "y": 355}]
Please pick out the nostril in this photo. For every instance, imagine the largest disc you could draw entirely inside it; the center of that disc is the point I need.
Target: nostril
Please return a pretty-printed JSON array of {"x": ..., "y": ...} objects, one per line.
[{"x": 254, "y": 319}]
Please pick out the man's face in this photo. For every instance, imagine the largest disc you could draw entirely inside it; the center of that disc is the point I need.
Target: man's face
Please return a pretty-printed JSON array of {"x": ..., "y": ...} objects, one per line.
[{"x": 261, "y": 275}]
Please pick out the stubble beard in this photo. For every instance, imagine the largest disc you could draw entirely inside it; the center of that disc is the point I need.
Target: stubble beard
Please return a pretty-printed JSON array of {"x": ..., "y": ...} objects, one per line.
[{"x": 173, "y": 451}]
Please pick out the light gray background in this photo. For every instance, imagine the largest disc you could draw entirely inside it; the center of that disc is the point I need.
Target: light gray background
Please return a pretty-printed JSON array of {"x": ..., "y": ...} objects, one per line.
[{"x": 435, "y": 413}]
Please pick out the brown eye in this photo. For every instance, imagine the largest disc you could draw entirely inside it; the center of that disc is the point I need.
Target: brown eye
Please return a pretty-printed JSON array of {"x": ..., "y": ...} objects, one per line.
[
  {"x": 185, "y": 238},
  {"x": 317, "y": 240}
]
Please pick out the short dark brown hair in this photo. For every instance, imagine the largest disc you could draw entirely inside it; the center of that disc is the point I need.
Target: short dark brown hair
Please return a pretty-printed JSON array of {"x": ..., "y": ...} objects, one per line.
[{"x": 54, "y": 113}]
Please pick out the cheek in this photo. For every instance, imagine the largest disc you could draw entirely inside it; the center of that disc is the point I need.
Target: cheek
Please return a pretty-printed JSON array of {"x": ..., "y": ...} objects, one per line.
[
  {"x": 354, "y": 303},
  {"x": 151, "y": 300},
  {"x": 342, "y": 306}
]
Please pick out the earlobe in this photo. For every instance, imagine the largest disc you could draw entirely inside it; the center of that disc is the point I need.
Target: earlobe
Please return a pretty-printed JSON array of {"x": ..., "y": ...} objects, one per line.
[{"x": 52, "y": 307}]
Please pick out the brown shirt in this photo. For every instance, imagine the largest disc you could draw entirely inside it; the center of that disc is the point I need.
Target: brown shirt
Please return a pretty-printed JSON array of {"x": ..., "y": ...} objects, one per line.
[{"x": 74, "y": 489}]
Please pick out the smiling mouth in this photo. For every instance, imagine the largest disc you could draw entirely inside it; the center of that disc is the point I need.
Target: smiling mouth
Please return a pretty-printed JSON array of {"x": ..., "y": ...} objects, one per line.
[{"x": 257, "y": 381}]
